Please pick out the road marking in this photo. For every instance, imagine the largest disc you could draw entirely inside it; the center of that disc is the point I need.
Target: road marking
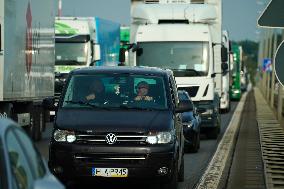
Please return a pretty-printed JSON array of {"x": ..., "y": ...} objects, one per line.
[{"x": 213, "y": 174}]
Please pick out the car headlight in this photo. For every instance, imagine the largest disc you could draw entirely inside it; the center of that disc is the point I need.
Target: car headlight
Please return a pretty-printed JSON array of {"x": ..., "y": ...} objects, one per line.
[
  {"x": 208, "y": 112},
  {"x": 160, "y": 137},
  {"x": 64, "y": 136},
  {"x": 188, "y": 124}
]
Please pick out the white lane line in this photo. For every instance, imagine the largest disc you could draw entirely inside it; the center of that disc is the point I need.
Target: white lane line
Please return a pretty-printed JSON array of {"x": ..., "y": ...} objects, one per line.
[{"x": 212, "y": 176}]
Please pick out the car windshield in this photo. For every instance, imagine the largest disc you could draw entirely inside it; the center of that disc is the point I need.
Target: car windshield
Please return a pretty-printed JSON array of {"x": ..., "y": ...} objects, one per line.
[
  {"x": 116, "y": 91},
  {"x": 186, "y": 59}
]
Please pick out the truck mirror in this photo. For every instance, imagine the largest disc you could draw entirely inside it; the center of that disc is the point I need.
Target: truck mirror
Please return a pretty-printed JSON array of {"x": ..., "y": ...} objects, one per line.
[
  {"x": 49, "y": 104},
  {"x": 139, "y": 51},
  {"x": 224, "y": 66},
  {"x": 224, "y": 54},
  {"x": 122, "y": 55},
  {"x": 97, "y": 52}
]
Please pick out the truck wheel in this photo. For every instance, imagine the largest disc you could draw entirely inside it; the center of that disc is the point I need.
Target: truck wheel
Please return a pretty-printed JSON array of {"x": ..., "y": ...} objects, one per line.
[
  {"x": 33, "y": 129},
  {"x": 38, "y": 124}
]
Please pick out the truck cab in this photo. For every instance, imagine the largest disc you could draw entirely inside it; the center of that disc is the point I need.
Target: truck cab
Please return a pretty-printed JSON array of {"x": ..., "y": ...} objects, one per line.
[
  {"x": 83, "y": 42},
  {"x": 185, "y": 38}
]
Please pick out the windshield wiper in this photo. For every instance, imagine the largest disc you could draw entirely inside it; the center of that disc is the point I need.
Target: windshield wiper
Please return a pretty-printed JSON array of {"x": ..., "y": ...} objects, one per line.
[
  {"x": 82, "y": 103},
  {"x": 90, "y": 105},
  {"x": 68, "y": 63},
  {"x": 137, "y": 108}
]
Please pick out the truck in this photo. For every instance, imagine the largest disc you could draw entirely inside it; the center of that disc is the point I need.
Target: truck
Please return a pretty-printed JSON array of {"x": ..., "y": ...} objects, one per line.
[
  {"x": 185, "y": 37},
  {"x": 244, "y": 78},
  {"x": 124, "y": 42},
  {"x": 235, "y": 91},
  {"x": 225, "y": 102},
  {"x": 27, "y": 62},
  {"x": 82, "y": 42}
]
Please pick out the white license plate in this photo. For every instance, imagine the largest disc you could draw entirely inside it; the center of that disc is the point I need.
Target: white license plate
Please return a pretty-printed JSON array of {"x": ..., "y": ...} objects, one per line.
[{"x": 110, "y": 172}]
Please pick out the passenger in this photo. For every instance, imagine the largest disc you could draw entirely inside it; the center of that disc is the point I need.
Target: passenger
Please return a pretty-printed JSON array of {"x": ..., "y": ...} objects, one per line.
[
  {"x": 97, "y": 90},
  {"x": 142, "y": 92}
]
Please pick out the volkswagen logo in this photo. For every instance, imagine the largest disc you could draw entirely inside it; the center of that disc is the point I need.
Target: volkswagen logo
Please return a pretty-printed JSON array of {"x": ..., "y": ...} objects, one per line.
[{"x": 111, "y": 138}]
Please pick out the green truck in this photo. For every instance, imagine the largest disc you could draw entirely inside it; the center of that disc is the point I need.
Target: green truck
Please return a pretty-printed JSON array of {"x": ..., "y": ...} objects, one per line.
[
  {"x": 235, "y": 89},
  {"x": 124, "y": 42}
]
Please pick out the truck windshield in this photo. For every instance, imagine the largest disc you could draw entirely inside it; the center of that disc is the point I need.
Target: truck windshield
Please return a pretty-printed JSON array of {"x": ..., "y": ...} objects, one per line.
[
  {"x": 116, "y": 91},
  {"x": 71, "y": 53},
  {"x": 186, "y": 59}
]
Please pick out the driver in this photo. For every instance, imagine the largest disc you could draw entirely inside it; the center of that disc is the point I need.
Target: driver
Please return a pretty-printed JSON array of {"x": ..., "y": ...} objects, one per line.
[{"x": 97, "y": 90}]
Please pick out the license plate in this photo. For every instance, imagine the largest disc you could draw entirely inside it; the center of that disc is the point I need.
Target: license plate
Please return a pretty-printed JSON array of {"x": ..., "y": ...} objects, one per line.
[{"x": 110, "y": 172}]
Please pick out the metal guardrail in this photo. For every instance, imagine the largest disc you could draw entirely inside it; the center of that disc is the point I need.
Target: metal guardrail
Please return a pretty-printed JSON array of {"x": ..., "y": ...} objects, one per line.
[{"x": 272, "y": 143}]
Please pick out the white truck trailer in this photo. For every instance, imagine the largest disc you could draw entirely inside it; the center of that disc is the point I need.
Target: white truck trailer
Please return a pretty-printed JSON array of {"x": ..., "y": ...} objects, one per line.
[
  {"x": 225, "y": 102},
  {"x": 186, "y": 38},
  {"x": 26, "y": 61}
]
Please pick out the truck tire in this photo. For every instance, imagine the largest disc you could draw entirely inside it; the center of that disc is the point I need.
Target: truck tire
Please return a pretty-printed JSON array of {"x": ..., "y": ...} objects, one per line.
[
  {"x": 38, "y": 119},
  {"x": 33, "y": 130}
]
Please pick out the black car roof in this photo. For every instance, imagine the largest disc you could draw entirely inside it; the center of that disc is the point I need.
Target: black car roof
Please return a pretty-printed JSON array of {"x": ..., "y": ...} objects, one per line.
[{"x": 122, "y": 69}]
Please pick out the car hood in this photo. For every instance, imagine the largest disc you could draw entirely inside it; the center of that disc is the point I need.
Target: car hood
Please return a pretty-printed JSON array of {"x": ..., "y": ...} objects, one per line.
[{"x": 114, "y": 121}]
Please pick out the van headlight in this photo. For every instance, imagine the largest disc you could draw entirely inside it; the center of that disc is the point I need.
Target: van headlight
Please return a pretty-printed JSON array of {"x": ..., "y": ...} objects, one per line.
[
  {"x": 160, "y": 137},
  {"x": 64, "y": 136}
]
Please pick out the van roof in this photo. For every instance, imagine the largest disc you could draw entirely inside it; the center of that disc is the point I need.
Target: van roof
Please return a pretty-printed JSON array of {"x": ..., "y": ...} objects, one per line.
[{"x": 121, "y": 70}]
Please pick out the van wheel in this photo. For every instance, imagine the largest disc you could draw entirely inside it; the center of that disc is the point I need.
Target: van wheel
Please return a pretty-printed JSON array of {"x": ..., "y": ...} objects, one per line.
[
  {"x": 173, "y": 182},
  {"x": 181, "y": 170}
]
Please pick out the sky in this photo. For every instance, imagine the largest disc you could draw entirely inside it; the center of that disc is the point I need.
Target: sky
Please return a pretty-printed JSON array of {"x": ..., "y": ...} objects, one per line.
[{"x": 239, "y": 16}]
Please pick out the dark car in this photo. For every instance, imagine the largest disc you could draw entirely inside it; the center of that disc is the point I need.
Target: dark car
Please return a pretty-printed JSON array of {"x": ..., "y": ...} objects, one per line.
[
  {"x": 119, "y": 122},
  {"x": 21, "y": 166},
  {"x": 191, "y": 124}
]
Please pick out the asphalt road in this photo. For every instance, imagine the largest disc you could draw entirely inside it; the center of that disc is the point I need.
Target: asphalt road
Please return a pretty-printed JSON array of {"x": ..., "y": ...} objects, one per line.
[{"x": 195, "y": 163}]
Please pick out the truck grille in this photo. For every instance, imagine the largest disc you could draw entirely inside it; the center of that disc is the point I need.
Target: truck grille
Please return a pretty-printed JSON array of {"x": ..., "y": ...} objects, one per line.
[
  {"x": 192, "y": 91},
  {"x": 122, "y": 138}
]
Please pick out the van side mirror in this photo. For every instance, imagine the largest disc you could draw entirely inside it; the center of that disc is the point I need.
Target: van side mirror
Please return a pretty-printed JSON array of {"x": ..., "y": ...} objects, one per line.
[
  {"x": 213, "y": 75},
  {"x": 224, "y": 54},
  {"x": 184, "y": 106}
]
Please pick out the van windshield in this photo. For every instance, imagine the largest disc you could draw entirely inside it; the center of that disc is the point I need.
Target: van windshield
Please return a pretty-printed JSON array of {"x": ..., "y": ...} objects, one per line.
[
  {"x": 116, "y": 91},
  {"x": 186, "y": 59}
]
